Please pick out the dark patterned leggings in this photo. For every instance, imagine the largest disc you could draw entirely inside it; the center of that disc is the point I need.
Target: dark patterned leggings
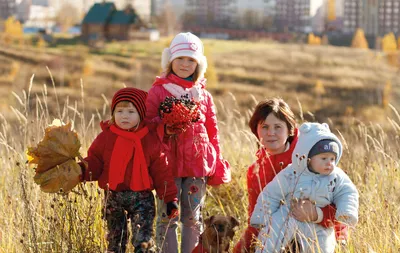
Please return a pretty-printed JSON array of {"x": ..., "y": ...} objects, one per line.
[{"x": 139, "y": 207}]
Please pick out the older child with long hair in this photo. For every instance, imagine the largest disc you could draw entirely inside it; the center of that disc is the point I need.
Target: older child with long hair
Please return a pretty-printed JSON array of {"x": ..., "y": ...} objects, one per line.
[
  {"x": 128, "y": 161},
  {"x": 194, "y": 157}
]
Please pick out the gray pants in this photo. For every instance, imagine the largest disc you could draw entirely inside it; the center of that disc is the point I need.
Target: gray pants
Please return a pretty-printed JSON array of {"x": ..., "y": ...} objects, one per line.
[{"x": 191, "y": 196}]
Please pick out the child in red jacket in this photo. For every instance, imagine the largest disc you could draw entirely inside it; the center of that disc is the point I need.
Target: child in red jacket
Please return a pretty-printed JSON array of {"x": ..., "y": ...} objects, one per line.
[
  {"x": 194, "y": 157},
  {"x": 127, "y": 160}
]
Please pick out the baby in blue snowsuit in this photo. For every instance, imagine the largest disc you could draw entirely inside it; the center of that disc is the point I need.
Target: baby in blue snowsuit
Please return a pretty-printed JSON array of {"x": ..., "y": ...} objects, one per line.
[{"x": 312, "y": 174}]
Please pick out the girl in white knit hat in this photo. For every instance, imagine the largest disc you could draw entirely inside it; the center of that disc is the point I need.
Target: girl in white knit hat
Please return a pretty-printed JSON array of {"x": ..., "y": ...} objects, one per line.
[
  {"x": 313, "y": 174},
  {"x": 194, "y": 157}
]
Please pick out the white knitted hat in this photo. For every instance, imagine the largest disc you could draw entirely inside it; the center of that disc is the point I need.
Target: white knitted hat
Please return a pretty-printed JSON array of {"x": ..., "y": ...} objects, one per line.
[{"x": 185, "y": 44}]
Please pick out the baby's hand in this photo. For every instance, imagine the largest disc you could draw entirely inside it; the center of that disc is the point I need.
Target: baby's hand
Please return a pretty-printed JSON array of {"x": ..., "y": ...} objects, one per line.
[{"x": 303, "y": 210}]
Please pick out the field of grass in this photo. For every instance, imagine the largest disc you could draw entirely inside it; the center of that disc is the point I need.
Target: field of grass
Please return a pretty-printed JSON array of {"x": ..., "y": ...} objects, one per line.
[{"x": 32, "y": 221}]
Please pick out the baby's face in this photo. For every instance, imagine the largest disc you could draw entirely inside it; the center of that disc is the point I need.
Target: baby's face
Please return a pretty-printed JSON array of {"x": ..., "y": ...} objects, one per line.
[
  {"x": 323, "y": 163},
  {"x": 126, "y": 115}
]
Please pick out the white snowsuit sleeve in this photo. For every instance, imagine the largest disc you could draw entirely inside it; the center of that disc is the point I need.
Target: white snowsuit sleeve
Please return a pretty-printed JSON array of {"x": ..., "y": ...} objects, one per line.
[
  {"x": 269, "y": 200},
  {"x": 346, "y": 200}
]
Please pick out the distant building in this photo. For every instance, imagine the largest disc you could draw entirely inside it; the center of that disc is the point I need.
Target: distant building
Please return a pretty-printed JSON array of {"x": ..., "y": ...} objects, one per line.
[
  {"x": 258, "y": 15},
  {"x": 375, "y": 17},
  {"x": 104, "y": 21},
  {"x": 298, "y": 15},
  {"x": 23, "y": 10},
  {"x": 7, "y": 8},
  {"x": 41, "y": 17},
  {"x": 353, "y": 15},
  {"x": 36, "y": 14},
  {"x": 39, "y": 8},
  {"x": 328, "y": 17},
  {"x": 389, "y": 17},
  {"x": 211, "y": 13}
]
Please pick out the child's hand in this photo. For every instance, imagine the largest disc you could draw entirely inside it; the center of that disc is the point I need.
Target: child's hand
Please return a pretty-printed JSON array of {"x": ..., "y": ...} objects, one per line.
[
  {"x": 172, "y": 209},
  {"x": 303, "y": 210}
]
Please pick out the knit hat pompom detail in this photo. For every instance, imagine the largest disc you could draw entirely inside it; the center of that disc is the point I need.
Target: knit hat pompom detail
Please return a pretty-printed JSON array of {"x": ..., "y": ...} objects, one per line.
[
  {"x": 136, "y": 96},
  {"x": 185, "y": 44}
]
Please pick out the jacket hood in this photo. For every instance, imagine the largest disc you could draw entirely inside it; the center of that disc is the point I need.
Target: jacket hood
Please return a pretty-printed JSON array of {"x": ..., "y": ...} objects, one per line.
[{"x": 309, "y": 135}]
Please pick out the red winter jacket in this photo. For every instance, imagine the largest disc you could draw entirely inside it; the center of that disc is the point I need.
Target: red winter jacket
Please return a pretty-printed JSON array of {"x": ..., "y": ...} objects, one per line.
[
  {"x": 259, "y": 175},
  {"x": 99, "y": 156},
  {"x": 195, "y": 152}
]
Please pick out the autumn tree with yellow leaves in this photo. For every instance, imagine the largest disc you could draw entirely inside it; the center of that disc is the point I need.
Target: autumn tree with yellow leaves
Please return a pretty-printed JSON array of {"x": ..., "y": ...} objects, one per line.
[
  {"x": 389, "y": 43},
  {"x": 211, "y": 73},
  {"x": 12, "y": 30},
  {"x": 313, "y": 40},
  {"x": 386, "y": 94},
  {"x": 389, "y": 46},
  {"x": 359, "y": 40}
]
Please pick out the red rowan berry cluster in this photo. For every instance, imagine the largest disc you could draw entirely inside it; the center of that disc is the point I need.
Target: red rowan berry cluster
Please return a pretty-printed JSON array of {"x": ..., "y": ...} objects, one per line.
[{"x": 179, "y": 113}]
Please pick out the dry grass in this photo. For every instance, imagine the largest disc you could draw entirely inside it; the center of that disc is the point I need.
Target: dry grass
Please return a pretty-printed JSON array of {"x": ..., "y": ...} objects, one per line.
[{"x": 31, "y": 221}]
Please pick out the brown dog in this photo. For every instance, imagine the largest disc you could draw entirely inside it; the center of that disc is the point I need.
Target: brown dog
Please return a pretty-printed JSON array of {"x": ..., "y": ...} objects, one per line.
[{"x": 217, "y": 235}]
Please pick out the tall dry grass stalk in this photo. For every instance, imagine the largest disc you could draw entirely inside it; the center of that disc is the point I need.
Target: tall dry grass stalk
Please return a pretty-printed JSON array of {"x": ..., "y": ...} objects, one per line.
[{"x": 32, "y": 221}]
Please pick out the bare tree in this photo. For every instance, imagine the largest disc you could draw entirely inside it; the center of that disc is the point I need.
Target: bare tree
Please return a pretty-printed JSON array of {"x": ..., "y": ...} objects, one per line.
[
  {"x": 251, "y": 20},
  {"x": 67, "y": 16},
  {"x": 167, "y": 21}
]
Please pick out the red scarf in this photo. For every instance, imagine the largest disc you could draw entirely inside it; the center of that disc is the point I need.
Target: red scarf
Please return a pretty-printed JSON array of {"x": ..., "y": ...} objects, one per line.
[
  {"x": 172, "y": 78},
  {"x": 129, "y": 144}
]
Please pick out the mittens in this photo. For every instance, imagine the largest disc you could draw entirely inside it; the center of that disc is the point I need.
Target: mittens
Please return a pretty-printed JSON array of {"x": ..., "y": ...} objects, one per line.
[
  {"x": 172, "y": 209},
  {"x": 64, "y": 176},
  {"x": 341, "y": 232}
]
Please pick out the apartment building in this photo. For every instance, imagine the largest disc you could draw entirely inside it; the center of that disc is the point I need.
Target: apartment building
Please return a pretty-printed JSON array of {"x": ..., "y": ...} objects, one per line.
[
  {"x": 272, "y": 15},
  {"x": 375, "y": 17},
  {"x": 389, "y": 16},
  {"x": 292, "y": 15},
  {"x": 7, "y": 8},
  {"x": 216, "y": 13}
]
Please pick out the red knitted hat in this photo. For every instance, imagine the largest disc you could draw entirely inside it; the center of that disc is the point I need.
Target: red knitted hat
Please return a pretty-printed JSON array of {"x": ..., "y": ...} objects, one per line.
[{"x": 135, "y": 96}]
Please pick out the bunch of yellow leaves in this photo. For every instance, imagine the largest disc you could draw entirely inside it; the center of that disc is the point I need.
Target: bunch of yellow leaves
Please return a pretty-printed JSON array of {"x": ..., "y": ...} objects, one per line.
[{"x": 54, "y": 155}]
